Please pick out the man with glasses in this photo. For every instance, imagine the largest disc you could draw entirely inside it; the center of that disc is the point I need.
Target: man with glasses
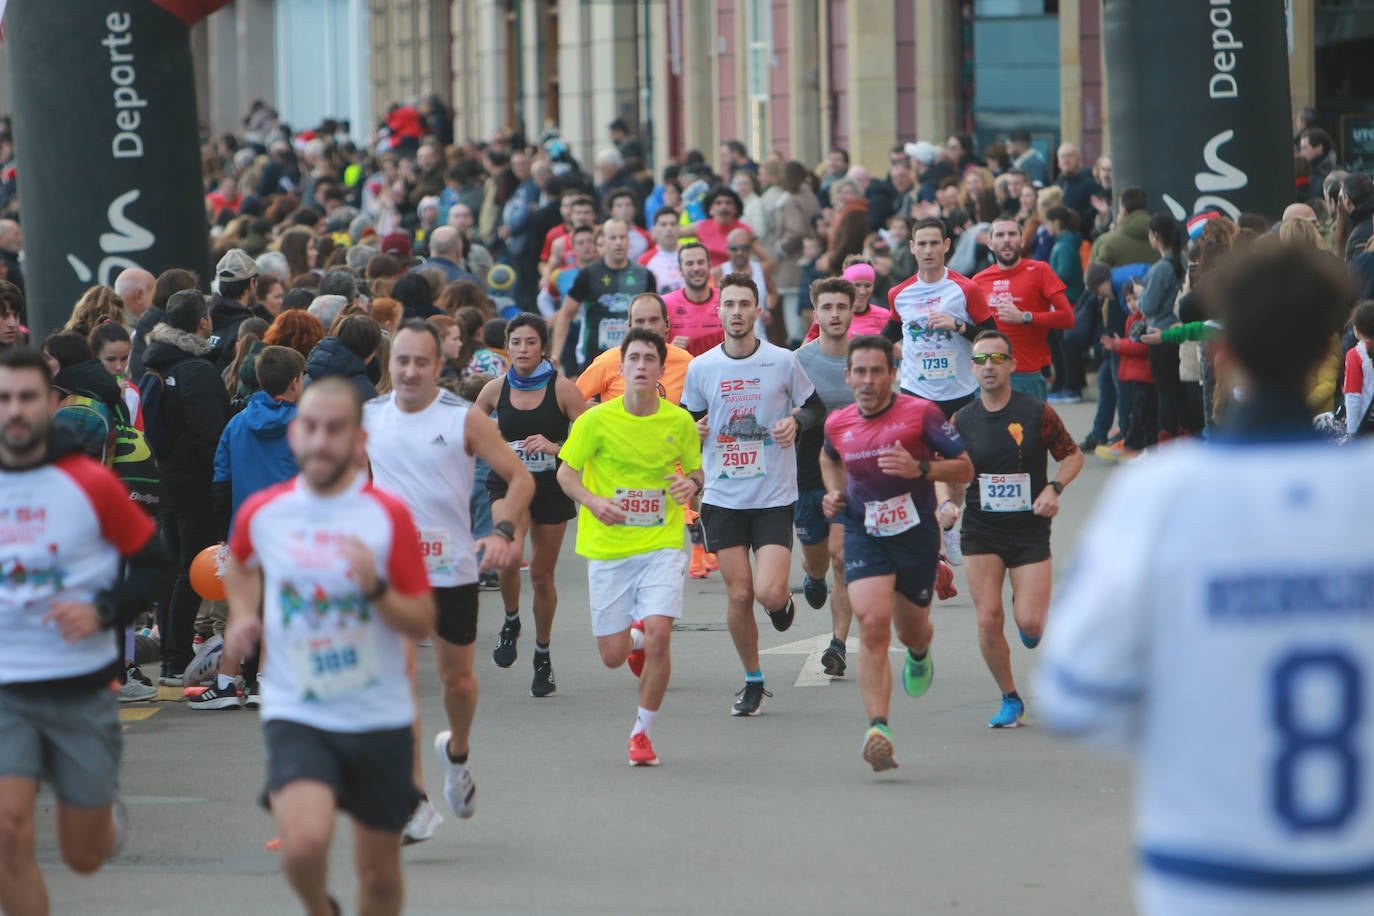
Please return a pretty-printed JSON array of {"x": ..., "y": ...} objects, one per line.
[
  {"x": 746, "y": 256},
  {"x": 1006, "y": 528}
]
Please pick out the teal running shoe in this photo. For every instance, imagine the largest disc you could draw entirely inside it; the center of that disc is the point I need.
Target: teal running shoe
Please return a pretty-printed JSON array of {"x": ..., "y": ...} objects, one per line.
[
  {"x": 916, "y": 675},
  {"x": 1011, "y": 715},
  {"x": 1030, "y": 642},
  {"x": 878, "y": 752}
]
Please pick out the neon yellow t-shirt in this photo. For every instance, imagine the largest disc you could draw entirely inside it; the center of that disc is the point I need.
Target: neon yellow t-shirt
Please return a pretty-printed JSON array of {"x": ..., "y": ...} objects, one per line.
[{"x": 625, "y": 457}]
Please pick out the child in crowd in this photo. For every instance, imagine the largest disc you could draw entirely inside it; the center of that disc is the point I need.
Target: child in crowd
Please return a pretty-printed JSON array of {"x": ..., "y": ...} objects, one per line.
[{"x": 1134, "y": 380}]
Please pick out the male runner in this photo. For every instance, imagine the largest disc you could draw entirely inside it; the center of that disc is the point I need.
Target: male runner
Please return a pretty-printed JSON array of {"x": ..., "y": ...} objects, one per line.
[
  {"x": 694, "y": 310},
  {"x": 881, "y": 454},
  {"x": 1008, "y": 435},
  {"x": 1028, "y": 301},
  {"x": 622, "y": 204},
  {"x": 661, "y": 260},
  {"x": 327, "y": 570},
  {"x": 631, "y": 463},
  {"x": 868, "y": 318},
  {"x": 742, "y": 393},
  {"x": 423, "y": 444},
  {"x": 605, "y": 288},
  {"x": 822, "y": 539},
  {"x": 1219, "y": 625},
  {"x": 66, "y": 523},
  {"x": 603, "y": 379}
]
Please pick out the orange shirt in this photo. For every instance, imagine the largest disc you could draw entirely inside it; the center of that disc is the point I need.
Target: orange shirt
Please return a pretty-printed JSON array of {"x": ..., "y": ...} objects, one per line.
[{"x": 603, "y": 379}]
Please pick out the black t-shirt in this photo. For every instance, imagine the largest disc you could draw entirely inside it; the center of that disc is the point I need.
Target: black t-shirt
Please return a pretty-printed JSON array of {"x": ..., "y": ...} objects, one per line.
[
  {"x": 605, "y": 294},
  {"x": 1014, "y": 440}
]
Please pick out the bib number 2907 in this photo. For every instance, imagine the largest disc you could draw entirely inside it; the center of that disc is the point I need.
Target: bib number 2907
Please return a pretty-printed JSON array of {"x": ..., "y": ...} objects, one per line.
[{"x": 1316, "y": 709}]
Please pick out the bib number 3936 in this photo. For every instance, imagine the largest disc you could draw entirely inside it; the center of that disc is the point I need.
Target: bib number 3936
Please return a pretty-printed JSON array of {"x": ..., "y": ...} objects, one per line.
[
  {"x": 742, "y": 459},
  {"x": 886, "y": 517},
  {"x": 1004, "y": 492},
  {"x": 333, "y": 663},
  {"x": 642, "y": 508}
]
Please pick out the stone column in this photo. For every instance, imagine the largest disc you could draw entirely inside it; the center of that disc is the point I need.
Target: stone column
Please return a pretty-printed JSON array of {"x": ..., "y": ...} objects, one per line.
[{"x": 872, "y": 89}]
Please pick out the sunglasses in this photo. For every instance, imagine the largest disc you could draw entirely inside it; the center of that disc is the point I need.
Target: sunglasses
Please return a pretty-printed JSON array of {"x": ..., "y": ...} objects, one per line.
[
  {"x": 997, "y": 359},
  {"x": 737, "y": 247}
]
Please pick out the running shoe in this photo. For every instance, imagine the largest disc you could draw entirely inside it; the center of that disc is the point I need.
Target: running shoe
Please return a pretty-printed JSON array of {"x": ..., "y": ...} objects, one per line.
[
  {"x": 424, "y": 820},
  {"x": 1065, "y": 397},
  {"x": 636, "y": 657},
  {"x": 954, "y": 550},
  {"x": 214, "y": 698},
  {"x": 489, "y": 581},
  {"x": 916, "y": 675},
  {"x": 642, "y": 751},
  {"x": 711, "y": 564},
  {"x": 171, "y": 679},
  {"x": 543, "y": 684},
  {"x": 135, "y": 673},
  {"x": 1030, "y": 642},
  {"x": 131, "y": 691},
  {"x": 878, "y": 751},
  {"x": 1089, "y": 443},
  {"x": 120, "y": 816},
  {"x": 815, "y": 590},
  {"x": 252, "y": 695},
  {"x": 750, "y": 699},
  {"x": 697, "y": 568},
  {"x": 1117, "y": 452},
  {"x": 944, "y": 581},
  {"x": 782, "y": 619},
  {"x": 504, "y": 653},
  {"x": 1011, "y": 715},
  {"x": 459, "y": 790},
  {"x": 832, "y": 659}
]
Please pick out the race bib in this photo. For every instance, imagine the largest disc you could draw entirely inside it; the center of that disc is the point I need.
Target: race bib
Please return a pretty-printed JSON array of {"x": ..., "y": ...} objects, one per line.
[
  {"x": 642, "y": 508},
  {"x": 740, "y": 460},
  {"x": 333, "y": 663},
  {"x": 1005, "y": 492},
  {"x": 934, "y": 364},
  {"x": 534, "y": 462},
  {"x": 611, "y": 332},
  {"x": 886, "y": 517},
  {"x": 436, "y": 546}
]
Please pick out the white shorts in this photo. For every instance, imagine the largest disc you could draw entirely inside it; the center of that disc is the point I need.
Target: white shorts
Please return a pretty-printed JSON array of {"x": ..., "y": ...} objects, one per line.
[{"x": 630, "y": 589}]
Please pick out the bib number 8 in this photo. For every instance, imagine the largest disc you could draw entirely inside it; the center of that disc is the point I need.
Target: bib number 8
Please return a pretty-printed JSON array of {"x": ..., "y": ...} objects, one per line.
[{"x": 1324, "y": 746}]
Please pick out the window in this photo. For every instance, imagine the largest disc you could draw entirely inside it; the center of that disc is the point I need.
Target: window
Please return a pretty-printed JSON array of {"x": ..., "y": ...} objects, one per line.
[{"x": 759, "y": 65}]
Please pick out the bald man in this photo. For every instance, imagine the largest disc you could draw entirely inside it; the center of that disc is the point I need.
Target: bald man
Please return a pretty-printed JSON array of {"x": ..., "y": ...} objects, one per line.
[
  {"x": 445, "y": 251},
  {"x": 1078, "y": 184},
  {"x": 1299, "y": 211},
  {"x": 135, "y": 287}
]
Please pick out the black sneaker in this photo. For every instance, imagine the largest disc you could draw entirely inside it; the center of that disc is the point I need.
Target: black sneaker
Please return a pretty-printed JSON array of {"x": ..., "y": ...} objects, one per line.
[
  {"x": 832, "y": 659},
  {"x": 489, "y": 581},
  {"x": 135, "y": 673},
  {"x": 782, "y": 620},
  {"x": 504, "y": 653},
  {"x": 815, "y": 590},
  {"x": 1089, "y": 443},
  {"x": 543, "y": 684},
  {"x": 252, "y": 695},
  {"x": 214, "y": 698},
  {"x": 750, "y": 699}
]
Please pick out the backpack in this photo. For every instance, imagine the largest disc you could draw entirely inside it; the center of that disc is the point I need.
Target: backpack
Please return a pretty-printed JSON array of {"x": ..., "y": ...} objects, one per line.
[
  {"x": 136, "y": 466},
  {"x": 90, "y": 421},
  {"x": 109, "y": 438},
  {"x": 155, "y": 391}
]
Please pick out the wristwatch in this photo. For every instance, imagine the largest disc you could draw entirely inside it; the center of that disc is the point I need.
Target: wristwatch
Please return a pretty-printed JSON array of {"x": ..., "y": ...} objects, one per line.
[
  {"x": 1026, "y": 317},
  {"x": 378, "y": 590},
  {"x": 961, "y": 328},
  {"x": 1058, "y": 487},
  {"x": 505, "y": 528},
  {"x": 924, "y": 467}
]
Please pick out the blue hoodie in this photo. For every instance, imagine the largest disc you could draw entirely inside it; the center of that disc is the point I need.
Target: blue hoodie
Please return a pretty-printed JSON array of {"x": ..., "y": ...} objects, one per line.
[{"x": 253, "y": 453}]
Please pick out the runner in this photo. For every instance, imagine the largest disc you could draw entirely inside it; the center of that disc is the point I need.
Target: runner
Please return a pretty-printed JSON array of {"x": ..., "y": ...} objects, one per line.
[
  {"x": 1008, "y": 435},
  {"x": 742, "y": 393},
  {"x": 625, "y": 462},
  {"x": 822, "y": 539},
  {"x": 694, "y": 310},
  {"x": 1028, "y": 301},
  {"x": 881, "y": 455},
  {"x": 326, "y": 569},
  {"x": 423, "y": 444},
  {"x": 868, "y": 318},
  {"x": 661, "y": 260},
  {"x": 603, "y": 379},
  {"x": 605, "y": 288},
  {"x": 1219, "y": 625},
  {"x": 622, "y": 204},
  {"x": 68, "y": 521},
  {"x": 534, "y": 407}
]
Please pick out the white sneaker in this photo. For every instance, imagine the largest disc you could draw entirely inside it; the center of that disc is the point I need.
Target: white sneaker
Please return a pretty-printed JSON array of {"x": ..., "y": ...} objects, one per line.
[
  {"x": 459, "y": 790},
  {"x": 954, "y": 550},
  {"x": 422, "y": 824},
  {"x": 134, "y": 692}
]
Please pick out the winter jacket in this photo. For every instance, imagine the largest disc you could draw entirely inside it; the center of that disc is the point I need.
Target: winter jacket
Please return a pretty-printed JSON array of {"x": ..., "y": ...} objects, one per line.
[
  {"x": 1133, "y": 357},
  {"x": 1361, "y": 229},
  {"x": 1128, "y": 243},
  {"x": 253, "y": 453},
  {"x": 1067, "y": 263},
  {"x": 225, "y": 317},
  {"x": 151, "y": 318},
  {"x": 195, "y": 408},
  {"x": 331, "y": 357},
  {"x": 1157, "y": 298}
]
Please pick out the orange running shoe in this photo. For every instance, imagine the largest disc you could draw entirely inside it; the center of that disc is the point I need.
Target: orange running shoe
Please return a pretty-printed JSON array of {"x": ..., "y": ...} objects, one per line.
[
  {"x": 642, "y": 751},
  {"x": 944, "y": 581},
  {"x": 697, "y": 569},
  {"x": 711, "y": 564},
  {"x": 636, "y": 657}
]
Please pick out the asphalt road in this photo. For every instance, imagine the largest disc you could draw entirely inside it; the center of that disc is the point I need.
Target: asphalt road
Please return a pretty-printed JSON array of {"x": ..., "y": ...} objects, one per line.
[{"x": 772, "y": 814}]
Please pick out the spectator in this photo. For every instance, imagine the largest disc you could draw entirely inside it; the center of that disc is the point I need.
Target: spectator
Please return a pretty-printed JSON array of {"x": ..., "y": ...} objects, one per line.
[
  {"x": 1027, "y": 158},
  {"x": 445, "y": 251},
  {"x": 169, "y": 283},
  {"x": 11, "y": 244},
  {"x": 1314, "y": 145},
  {"x": 297, "y": 329},
  {"x": 134, "y": 286},
  {"x": 848, "y": 226},
  {"x": 1077, "y": 184},
  {"x": 347, "y": 353},
  {"x": 1128, "y": 241},
  {"x": 235, "y": 303},
  {"x": 98, "y": 304},
  {"x": 1357, "y": 201},
  {"x": 413, "y": 292}
]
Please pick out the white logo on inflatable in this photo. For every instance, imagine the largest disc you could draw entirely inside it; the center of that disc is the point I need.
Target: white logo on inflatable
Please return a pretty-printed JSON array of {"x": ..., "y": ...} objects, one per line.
[
  {"x": 127, "y": 237},
  {"x": 1223, "y": 177}
]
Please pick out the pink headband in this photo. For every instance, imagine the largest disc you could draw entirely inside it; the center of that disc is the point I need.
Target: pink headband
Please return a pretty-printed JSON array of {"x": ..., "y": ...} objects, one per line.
[{"x": 856, "y": 272}]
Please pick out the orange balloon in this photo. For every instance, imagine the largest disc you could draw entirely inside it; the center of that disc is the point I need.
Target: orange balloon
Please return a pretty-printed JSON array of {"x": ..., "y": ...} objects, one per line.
[{"x": 205, "y": 573}]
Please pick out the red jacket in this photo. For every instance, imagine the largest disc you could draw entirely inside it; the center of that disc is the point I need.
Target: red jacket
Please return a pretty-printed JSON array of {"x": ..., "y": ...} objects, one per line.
[{"x": 1133, "y": 359}]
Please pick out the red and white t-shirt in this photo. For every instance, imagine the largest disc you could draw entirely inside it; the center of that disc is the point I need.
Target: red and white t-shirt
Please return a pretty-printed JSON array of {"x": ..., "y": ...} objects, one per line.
[
  {"x": 332, "y": 662},
  {"x": 700, "y": 322},
  {"x": 664, "y": 266},
  {"x": 640, "y": 242},
  {"x": 1359, "y": 385},
  {"x": 64, "y": 527},
  {"x": 937, "y": 365},
  {"x": 1030, "y": 286}
]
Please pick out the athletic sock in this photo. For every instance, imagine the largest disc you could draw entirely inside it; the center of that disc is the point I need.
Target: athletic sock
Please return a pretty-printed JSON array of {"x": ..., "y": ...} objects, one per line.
[
  {"x": 637, "y": 639},
  {"x": 918, "y": 658},
  {"x": 541, "y": 648},
  {"x": 1012, "y": 696},
  {"x": 644, "y": 721},
  {"x": 224, "y": 682},
  {"x": 460, "y": 759},
  {"x": 753, "y": 677},
  {"x": 877, "y": 720},
  {"x": 513, "y": 616}
]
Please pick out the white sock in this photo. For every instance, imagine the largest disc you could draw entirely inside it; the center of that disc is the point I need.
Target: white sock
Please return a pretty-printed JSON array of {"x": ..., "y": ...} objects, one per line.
[
  {"x": 224, "y": 681},
  {"x": 644, "y": 721},
  {"x": 636, "y": 639}
]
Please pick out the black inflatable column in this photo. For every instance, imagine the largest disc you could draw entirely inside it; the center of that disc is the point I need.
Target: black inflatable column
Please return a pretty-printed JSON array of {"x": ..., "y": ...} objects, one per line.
[
  {"x": 1199, "y": 104},
  {"x": 107, "y": 146}
]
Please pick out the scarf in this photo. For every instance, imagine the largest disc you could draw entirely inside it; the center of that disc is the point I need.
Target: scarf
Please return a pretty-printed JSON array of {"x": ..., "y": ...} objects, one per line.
[{"x": 535, "y": 380}]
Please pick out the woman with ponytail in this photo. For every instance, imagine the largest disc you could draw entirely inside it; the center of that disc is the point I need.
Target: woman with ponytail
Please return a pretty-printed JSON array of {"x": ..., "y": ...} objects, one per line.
[{"x": 1162, "y": 284}]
